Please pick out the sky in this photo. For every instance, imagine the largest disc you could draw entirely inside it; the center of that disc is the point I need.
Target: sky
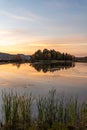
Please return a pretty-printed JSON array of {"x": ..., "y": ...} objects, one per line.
[{"x": 28, "y": 25}]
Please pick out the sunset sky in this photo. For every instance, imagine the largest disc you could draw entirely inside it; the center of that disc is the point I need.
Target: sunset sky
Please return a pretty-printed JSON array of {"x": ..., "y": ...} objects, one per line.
[{"x": 28, "y": 25}]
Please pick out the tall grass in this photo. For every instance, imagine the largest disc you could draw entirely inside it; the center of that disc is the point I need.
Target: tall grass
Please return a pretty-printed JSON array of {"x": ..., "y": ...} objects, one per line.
[
  {"x": 54, "y": 112},
  {"x": 16, "y": 110}
]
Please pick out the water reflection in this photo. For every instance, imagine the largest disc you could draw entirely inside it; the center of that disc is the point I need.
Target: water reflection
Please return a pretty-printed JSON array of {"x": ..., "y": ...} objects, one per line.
[
  {"x": 52, "y": 67},
  {"x": 17, "y": 64},
  {"x": 72, "y": 80}
]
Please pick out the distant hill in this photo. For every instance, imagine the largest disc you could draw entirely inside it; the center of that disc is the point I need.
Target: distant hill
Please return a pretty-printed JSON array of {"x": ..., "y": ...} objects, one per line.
[
  {"x": 5, "y": 57},
  {"x": 81, "y": 59}
]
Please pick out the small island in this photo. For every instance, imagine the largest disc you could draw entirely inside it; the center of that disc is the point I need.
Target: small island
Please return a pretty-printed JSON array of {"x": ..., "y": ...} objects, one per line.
[{"x": 51, "y": 55}]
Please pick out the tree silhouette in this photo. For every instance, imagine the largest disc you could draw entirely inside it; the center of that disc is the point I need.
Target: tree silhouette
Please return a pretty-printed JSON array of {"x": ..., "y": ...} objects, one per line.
[{"x": 51, "y": 55}]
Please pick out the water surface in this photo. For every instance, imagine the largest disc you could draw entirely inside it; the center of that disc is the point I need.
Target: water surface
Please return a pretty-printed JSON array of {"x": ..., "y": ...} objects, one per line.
[{"x": 70, "y": 80}]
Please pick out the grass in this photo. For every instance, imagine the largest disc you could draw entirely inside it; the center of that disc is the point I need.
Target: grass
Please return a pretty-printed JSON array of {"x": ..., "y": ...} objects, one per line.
[
  {"x": 16, "y": 110},
  {"x": 54, "y": 112}
]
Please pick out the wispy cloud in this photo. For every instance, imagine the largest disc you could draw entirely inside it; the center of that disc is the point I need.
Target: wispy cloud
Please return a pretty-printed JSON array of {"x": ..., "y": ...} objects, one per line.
[
  {"x": 8, "y": 14},
  {"x": 24, "y": 15},
  {"x": 22, "y": 41},
  {"x": 18, "y": 35},
  {"x": 18, "y": 17}
]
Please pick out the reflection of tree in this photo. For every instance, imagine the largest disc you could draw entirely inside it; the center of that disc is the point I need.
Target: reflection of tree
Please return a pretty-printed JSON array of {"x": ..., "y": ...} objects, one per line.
[
  {"x": 52, "y": 66},
  {"x": 17, "y": 64}
]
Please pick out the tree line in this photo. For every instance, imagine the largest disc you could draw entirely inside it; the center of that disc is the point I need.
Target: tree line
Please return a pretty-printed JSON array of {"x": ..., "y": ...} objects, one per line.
[{"x": 51, "y": 55}]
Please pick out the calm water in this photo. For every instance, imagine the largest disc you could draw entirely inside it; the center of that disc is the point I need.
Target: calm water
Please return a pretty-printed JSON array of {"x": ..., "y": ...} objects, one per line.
[{"x": 70, "y": 80}]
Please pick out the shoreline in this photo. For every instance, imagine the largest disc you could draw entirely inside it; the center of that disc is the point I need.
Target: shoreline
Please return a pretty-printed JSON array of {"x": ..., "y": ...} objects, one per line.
[{"x": 42, "y": 62}]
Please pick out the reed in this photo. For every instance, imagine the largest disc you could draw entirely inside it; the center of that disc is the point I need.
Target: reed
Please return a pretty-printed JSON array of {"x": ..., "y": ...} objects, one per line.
[
  {"x": 54, "y": 112},
  {"x": 16, "y": 110},
  {"x": 7, "y": 107},
  {"x": 25, "y": 104}
]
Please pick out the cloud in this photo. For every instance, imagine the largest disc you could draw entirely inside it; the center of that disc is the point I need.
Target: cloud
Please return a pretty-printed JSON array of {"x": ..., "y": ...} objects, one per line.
[
  {"x": 22, "y": 41},
  {"x": 17, "y": 36},
  {"x": 23, "y": 15},
  {"x": 13, "y": 36},
  {"x": 17, "y": 17}
]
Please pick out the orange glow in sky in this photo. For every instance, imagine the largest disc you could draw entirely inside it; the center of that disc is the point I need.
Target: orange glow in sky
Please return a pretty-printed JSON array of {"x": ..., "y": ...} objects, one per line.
[
  {"x": 74, "y": 46},
  {"x": 26, "y": 26}
]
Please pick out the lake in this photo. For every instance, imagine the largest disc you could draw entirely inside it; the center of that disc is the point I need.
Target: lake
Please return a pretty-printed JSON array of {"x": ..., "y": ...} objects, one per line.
[{"x": 39, "y": 79}]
